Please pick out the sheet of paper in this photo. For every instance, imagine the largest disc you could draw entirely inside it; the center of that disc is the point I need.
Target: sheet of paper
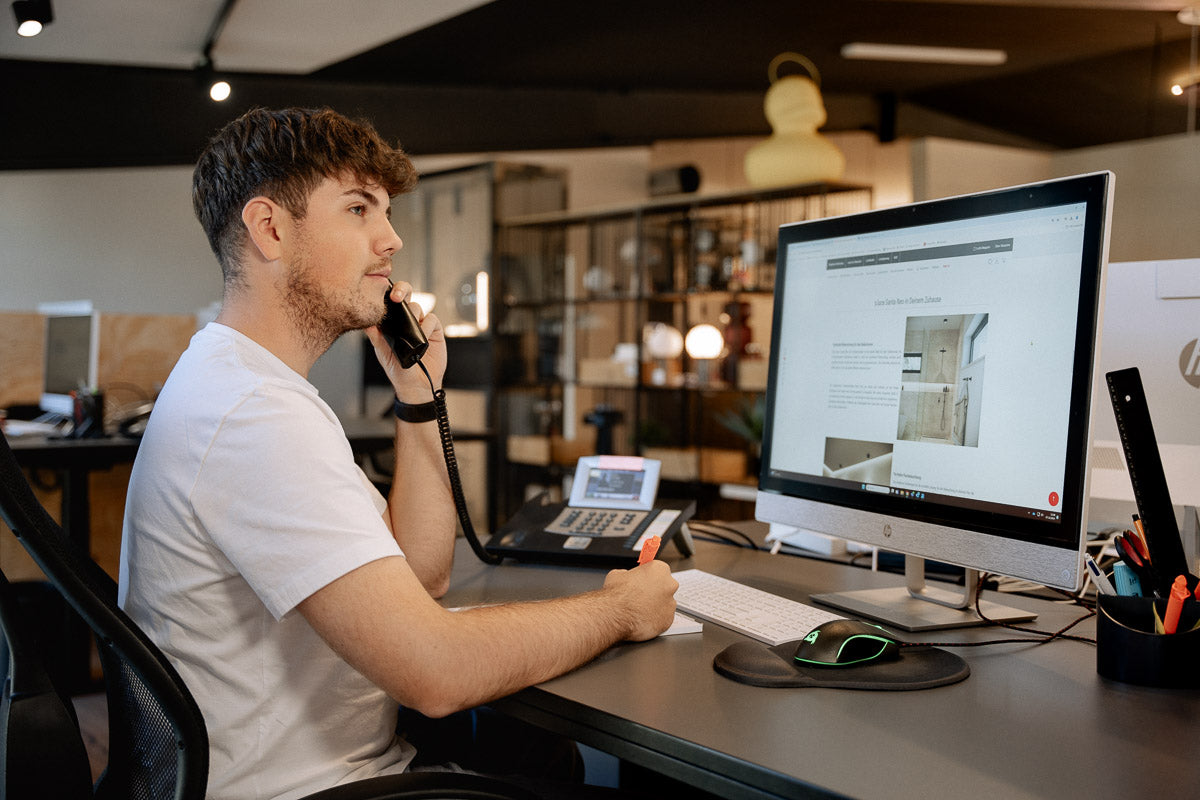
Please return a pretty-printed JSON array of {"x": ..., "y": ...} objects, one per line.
[{"x": 683, "y": 624}]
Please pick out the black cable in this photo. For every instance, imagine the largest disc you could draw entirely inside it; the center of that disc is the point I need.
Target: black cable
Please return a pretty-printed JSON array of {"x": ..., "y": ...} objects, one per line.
[
  {"x": 1039, "y": 637},
  {"x": 1048, "y": 636},
  {"x": 456, "y": 490},
  {"x": 715, "y": 538},
  {"x": 714, "y": 527}
]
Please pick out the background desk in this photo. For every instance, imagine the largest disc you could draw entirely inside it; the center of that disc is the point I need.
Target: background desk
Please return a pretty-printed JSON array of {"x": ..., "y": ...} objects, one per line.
[
  {"x": 1030, "y": 721},
  {"x": 74, "y": 460}
]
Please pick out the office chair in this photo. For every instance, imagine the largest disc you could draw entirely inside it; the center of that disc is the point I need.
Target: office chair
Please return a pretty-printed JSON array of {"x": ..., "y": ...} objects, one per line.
[{"x": 158, "y": 743}]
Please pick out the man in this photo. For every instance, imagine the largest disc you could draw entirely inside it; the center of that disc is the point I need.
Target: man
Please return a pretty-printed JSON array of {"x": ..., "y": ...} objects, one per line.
[{"x": 297, "y": 603}]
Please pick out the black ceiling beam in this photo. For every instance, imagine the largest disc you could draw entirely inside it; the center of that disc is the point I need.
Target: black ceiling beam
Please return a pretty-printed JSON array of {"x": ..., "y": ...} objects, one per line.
[{"x": 68, "y": 115}]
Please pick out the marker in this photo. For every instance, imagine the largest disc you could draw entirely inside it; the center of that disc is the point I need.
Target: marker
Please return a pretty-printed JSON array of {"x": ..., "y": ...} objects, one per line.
[
  {"x": 649, "y": 549},
  {"x": 1125, "y": 580},
  {"x": 1102, "y": 584},
  {"x": 1179, "y": 593}
]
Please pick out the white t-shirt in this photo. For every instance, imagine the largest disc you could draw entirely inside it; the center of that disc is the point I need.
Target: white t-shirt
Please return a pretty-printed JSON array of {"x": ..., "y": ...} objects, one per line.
[{"x": 244, "y": 500}]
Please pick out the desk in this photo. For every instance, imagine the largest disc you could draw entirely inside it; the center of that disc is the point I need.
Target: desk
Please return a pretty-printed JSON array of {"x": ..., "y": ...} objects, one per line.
[
  {"x": 1030, "y": 721},
  {"x": 74, "y": 460}
]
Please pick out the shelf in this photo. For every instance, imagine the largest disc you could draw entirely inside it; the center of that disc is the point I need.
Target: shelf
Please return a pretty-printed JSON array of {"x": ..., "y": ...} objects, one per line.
[
  {"x": 578, "y": 292},
  {"x": 681, "y": 202}
]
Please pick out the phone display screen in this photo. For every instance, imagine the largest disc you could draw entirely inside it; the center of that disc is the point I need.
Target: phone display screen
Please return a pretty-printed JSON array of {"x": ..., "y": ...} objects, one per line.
[{"x": 615, "y": 482}]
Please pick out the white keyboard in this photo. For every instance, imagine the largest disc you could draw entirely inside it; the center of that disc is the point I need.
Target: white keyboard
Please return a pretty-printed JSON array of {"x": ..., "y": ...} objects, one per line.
[{"x": 761, "y": 615}]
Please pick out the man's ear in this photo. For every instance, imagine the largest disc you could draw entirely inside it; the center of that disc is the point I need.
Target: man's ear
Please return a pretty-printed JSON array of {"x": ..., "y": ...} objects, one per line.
[{"x": 262, "y": 218}]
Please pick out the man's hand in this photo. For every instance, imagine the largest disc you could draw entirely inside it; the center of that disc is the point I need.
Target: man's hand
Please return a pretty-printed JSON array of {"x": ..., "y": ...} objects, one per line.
[
  {"x": 647, "y": 595},
  {"x": 410, "y": 384}
]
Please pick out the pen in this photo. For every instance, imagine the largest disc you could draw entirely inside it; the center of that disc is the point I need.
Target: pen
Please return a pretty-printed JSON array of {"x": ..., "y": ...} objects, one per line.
[
  {"x": 649, "y": 549},
  {"x": 1179, "y": 593},
  {"x": 1138, "y": 544},
  {"x": 1102, "y": 584},
  {"x": 1147, "y": 575},
  {"x": 1141, "y": 529}
]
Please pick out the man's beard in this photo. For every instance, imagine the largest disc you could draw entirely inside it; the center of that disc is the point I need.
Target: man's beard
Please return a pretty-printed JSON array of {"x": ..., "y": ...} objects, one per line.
[{"x": 321, "y": 317}]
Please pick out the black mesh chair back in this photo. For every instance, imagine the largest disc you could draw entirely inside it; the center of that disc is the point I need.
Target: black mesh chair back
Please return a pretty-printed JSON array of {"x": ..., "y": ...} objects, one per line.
[{"x": 158, "y": 744}]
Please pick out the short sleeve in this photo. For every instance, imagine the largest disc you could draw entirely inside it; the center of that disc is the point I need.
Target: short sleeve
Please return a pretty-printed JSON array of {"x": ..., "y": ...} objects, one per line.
[{"x": 279, "y": 493}]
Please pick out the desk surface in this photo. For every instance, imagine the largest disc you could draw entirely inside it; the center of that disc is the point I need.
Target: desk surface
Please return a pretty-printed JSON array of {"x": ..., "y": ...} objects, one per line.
[
  {"x": 1030, "y": 721},
  {"x": 59, "y": 453}
]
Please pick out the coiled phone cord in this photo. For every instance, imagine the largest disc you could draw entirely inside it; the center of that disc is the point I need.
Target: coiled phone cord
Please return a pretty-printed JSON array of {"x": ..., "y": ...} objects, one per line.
[{"x": 460, "y": 502}]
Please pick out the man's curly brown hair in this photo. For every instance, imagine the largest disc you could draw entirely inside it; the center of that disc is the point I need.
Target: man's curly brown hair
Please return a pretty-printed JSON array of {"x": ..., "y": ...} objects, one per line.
[{"x": 284, "y": 155}]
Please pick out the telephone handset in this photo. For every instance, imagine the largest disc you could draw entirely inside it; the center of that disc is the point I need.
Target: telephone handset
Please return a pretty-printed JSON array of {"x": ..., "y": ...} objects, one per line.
[{"x": 403, "y": 333}]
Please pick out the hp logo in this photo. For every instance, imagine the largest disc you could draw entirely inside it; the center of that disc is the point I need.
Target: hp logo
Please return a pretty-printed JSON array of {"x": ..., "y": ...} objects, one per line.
[{"x": 1189, "y": 363}]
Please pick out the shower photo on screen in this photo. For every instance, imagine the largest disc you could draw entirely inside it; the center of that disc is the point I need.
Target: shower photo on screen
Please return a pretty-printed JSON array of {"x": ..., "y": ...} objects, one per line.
[{"x": 941, "y": 379}]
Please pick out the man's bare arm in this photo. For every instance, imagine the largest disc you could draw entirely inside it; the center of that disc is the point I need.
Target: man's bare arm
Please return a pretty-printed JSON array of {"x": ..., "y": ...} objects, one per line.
[{"x": 382, "y": 621}]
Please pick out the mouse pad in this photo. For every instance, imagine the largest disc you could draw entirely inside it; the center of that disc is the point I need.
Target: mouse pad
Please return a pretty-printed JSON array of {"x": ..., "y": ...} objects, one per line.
[{"x": 916, "y": 668}]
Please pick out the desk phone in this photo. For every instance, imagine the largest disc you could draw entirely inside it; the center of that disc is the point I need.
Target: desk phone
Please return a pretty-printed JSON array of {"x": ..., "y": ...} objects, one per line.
[{"x": 612, "y": 509}]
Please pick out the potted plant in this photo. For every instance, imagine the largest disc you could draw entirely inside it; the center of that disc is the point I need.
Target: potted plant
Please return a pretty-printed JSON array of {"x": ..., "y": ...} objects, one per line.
[{"x": 747, "y": 422}]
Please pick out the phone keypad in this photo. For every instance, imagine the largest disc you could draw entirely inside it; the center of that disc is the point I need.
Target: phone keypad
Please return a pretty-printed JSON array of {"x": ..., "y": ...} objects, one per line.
[{"x": 596, "y": 522}]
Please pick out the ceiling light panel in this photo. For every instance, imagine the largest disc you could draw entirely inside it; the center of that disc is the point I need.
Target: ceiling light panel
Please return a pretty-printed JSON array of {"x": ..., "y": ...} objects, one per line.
[{"x": 870, "y": 51}]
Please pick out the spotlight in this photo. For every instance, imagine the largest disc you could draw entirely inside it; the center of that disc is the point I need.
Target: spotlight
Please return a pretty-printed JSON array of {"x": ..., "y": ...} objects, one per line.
[
  {"x": 32, "y": 16},
  {"x": 218, "y": 88},
  {"x": 219, "y": 91}
]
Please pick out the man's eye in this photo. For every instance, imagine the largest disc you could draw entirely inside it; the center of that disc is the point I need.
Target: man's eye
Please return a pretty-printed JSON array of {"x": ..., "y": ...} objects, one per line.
[{"x": 359, "y": 210}]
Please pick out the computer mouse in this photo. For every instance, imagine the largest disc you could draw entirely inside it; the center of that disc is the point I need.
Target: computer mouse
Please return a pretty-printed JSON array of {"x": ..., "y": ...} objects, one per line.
[{"x": 845, "y": 643}]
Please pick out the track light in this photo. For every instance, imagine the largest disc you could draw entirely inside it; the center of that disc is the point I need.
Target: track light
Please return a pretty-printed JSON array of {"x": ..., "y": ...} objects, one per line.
[
  {"x": 32, "y": 16},
  {"x": 218, "y": 88}
]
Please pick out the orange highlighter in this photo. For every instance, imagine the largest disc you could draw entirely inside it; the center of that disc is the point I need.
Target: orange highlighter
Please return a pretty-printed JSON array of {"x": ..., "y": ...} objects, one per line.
[
  {"x": 650, "y": 548},
  {"x": 1179, "y": 593}
]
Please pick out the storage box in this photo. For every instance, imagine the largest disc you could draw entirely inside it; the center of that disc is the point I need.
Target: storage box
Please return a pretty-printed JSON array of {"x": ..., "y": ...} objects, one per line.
[
  {"x": 607, "y": 372},
  {"x": 709, "y": 464},
  {"x": 752, "y": 374},
  {"x": 529, "y": 449},
  {"x": 718, "y": 465}
]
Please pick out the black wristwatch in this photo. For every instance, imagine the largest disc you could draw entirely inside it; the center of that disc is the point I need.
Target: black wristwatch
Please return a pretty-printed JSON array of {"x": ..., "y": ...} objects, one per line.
[{"x": 419, "y": 412}]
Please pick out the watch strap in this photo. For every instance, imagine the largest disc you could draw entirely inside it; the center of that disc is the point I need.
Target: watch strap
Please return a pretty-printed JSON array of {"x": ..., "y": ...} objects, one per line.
[{"x": 415, "y": 412}]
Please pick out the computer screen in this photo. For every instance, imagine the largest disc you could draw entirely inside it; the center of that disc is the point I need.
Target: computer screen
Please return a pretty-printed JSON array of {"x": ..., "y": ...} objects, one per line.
[
  {"x": 1152, "y": 322},
  {"x": 930, "y": 382},
  {"x": 71, "y": 355}
]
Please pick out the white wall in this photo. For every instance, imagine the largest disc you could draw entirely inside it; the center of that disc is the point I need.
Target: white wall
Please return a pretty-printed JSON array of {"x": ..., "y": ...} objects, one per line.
[
  {"x": 946, "y": 167},
  {"x": 124, "y": 238},
  {"x": 595, "y": 178},
  {"x": 886, "y": 168},
  {"x": 1156, "y": 205}
]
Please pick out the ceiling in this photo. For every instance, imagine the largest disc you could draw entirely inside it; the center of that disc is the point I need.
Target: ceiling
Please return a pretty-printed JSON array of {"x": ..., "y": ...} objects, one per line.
[{"x": 112, "y": 82}]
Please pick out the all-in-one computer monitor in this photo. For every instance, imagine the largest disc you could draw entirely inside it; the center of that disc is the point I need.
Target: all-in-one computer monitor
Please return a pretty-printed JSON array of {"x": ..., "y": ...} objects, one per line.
[
  {"x": 71, "y": 357},
  {"x": 930, "y": 384}
]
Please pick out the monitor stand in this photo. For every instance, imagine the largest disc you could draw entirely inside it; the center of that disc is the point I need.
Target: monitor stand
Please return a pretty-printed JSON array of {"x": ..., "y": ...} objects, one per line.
[{"x": 918, "y": 607}]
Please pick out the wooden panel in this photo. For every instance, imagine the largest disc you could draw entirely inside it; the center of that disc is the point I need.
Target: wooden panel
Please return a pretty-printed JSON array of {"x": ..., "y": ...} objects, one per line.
[
  {"x": 137, "y": 352},
  {"x": 17, "y": 564},
  {"x": 22, "y": 348},
  {"x": 107, "y": 490}
]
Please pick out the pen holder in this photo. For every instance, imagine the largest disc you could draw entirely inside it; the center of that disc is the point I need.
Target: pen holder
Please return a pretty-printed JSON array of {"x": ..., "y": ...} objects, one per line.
[{"x": 1128, "y": 649}]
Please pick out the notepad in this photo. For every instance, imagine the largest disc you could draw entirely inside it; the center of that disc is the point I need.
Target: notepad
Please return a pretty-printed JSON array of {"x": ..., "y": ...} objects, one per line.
[{"x": 683, "y": 624}]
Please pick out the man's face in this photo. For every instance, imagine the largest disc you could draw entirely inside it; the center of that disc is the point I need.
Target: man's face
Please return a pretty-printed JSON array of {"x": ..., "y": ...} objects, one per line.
[{"x": 340, "y": 260}]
